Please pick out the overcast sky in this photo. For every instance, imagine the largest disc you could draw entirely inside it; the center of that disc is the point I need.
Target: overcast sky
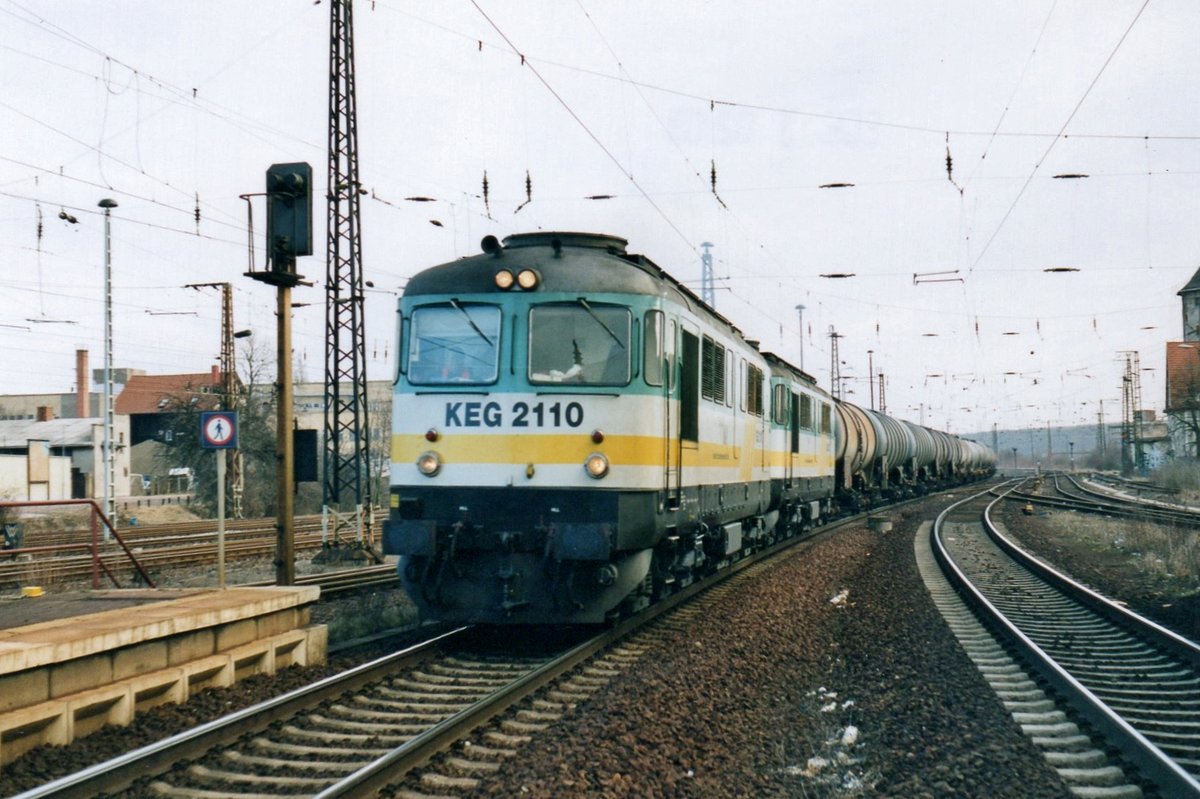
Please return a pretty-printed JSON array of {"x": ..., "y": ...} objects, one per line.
[{"x": 166, "y": 107}]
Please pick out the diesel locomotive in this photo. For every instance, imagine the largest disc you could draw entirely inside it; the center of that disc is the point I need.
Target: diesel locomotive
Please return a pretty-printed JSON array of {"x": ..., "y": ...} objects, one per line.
[{"x": 576, "y": 434}]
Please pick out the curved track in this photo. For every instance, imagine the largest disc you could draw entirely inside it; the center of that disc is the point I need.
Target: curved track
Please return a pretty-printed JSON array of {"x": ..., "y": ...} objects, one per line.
[
  {"x": 1066, "y": 492},
  {"x": 1135, "y": 683}
]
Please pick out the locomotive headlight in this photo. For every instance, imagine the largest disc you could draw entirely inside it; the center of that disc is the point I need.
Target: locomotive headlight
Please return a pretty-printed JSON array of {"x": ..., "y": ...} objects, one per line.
[
  {"x": 429, "y": 464},
  {"x": 527, "y": 279},
  {"x": 504, "y": 280},
  {"x": 596, "y": 465}
]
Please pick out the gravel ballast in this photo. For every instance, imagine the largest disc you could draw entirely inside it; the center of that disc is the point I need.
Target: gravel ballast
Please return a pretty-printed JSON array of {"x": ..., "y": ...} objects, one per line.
[{"x": 829, "y": 675}]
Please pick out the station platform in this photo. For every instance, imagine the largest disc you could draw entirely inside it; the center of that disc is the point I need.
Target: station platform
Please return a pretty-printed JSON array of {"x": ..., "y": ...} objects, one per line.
[{"x": 72, "y": 664}]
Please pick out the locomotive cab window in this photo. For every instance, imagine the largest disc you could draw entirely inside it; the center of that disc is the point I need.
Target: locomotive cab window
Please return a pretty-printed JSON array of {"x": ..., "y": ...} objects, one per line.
[
  {"x": 780, "y": 405},
  {"x": 582, "y": 343},
  {"x": 653, "y": 355},
  {"x": 454, "y": 344}
]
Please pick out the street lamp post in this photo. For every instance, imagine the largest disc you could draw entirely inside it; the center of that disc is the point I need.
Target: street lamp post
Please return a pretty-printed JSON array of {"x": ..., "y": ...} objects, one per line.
[
  {"x": 800, "y": 309},
  {"x": 871, "y": 375},
  {"x": 110, "y": 493}
]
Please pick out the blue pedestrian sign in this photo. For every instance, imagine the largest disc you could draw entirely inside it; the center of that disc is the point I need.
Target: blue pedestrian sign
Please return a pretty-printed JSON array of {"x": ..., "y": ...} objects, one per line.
[{"x": 218, "y": 430}]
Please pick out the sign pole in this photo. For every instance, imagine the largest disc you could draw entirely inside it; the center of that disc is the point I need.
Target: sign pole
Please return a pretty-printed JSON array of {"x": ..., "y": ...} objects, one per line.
[
  {"x": 221, "y": 518},
  {"x": 218, "y": 430}
]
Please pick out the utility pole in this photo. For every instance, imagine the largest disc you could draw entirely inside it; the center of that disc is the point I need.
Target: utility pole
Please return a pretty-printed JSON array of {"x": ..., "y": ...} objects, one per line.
[
  {"x": 708, "y": 291},
  {"x": 347, "y": 477},
  {"x": 882, "y": 394}
]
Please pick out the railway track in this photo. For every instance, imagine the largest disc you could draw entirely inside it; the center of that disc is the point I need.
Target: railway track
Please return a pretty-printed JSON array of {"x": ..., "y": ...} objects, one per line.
[
  {"x": 429, "y": 720},
  {"x": 183, "y": 544},
  {"x": 1133, "y": 684},
  {"x": 1071, "y": 494}
]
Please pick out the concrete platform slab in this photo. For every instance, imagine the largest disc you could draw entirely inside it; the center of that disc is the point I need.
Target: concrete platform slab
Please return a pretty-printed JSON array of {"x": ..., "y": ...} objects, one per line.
[{"x": 67, "y": 675}]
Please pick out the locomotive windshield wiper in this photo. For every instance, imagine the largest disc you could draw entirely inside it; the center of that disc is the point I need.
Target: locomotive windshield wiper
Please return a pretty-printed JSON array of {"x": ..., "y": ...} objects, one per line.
[
  {"x": 471, "y": 322},
  {"x": 584, "y": 304}
]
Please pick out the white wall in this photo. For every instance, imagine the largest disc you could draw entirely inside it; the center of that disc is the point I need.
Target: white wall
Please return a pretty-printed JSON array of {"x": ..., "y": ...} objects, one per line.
[{"x": 14, "y": 484}]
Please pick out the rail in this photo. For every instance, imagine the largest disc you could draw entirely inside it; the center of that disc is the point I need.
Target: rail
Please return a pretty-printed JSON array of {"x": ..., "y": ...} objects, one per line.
[{"x": 1172, "y": 779}]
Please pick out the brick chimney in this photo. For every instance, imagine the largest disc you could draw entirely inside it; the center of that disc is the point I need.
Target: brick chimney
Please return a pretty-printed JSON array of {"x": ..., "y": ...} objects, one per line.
[
  {"x": 45, "y": 413},
  {"x": 216, "y": 375},
  {"x": 83, "y": 397}
]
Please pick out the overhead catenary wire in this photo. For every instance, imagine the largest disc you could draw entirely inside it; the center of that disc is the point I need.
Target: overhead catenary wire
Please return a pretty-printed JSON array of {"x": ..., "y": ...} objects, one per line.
[
  {"x": 1062, "y": 130},
  {"x": 591, "y": 134}
]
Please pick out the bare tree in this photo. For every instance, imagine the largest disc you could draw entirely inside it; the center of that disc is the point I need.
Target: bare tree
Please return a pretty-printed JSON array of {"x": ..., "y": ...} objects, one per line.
[{"x": 255, "y": 404}]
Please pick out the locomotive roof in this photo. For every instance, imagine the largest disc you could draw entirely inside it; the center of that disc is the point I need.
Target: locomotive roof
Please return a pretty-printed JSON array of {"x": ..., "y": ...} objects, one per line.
[
  {"x": 587, "y": 263},
  {"x": 783, "y": 365}
]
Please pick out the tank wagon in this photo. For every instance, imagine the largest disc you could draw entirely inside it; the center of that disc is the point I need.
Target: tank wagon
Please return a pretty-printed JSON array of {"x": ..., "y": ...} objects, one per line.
[{"x": 576, "y": 434}]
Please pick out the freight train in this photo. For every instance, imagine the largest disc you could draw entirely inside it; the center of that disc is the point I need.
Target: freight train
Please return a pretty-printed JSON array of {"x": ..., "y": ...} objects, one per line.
[{"x": 575, "y": 435}]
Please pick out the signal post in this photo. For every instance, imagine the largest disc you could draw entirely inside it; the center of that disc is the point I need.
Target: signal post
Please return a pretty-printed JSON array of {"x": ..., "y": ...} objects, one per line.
[{"x": 289, "y": 234}]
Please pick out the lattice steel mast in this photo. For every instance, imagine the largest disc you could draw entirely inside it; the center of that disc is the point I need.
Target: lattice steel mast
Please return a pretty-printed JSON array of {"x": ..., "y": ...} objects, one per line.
[{"x": 347, "y": 484}]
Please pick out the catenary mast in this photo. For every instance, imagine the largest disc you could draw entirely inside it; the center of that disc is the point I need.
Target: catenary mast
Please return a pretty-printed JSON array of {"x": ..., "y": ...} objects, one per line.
[{"x": 346, "y": 482}]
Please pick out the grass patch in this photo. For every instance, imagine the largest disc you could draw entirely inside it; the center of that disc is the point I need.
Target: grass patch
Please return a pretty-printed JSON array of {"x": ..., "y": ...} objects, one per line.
[
  {"x": 1181, "y": 476},
  {"x": 1160, "y": 552}
]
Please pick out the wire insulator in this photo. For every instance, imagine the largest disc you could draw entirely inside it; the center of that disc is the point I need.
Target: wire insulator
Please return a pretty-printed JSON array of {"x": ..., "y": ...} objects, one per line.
[
  {"x": 713, "y": 180},
  {"x": 528, "y": 192}
]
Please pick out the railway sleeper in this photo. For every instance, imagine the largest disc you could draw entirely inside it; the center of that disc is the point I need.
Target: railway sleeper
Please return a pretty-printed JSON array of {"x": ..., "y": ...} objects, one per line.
[
  {"x": 417, "y": 708},
  {"x": 168, "y": 790},
  {"x": 507, "y": 740},
  {"x": 298, "y": 765},
  {"x": 442, "y": 782},
  {"x": 478, "y": 750},
  {"x": 472, "y": 766},
  {"x": 367, "y": 727},
  {"x": 268, "y": 745},
  {"x": 324, "y": 736},
  {"x": 221, "y": 776},
  {"x": 345, "y": 712}
]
